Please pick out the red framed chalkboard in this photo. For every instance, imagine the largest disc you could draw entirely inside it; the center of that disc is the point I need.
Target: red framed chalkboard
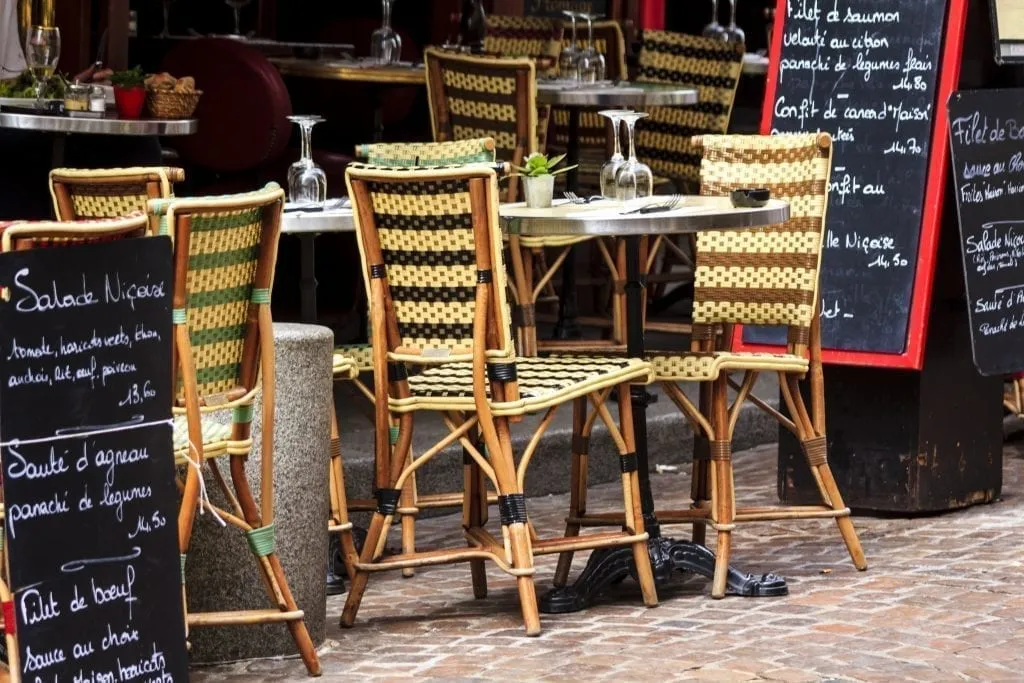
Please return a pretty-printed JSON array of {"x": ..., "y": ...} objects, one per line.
[{"x": 887, "y": 326}]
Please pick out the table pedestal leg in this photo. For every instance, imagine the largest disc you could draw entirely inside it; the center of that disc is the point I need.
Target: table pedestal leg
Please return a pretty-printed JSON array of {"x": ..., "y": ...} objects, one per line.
[
  {"x": 567, "y": 326},
  {"x": 610, "y": 566},
  {"x": 307, "y": 277}
]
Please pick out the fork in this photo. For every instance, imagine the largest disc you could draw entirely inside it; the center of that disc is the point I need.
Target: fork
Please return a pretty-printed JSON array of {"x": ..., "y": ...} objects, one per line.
[
  {"x": 576, "y": 199},
  {"x": 668, "y": 205}
]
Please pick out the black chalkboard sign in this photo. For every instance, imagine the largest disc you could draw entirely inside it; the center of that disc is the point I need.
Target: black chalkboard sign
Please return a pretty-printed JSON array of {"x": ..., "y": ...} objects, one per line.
[
  {"x": 866, "y": 72},
  {"x": 554, "y": 8},
  {"x": 88, "y": 472},
  {"x": 987, "y": 139}
]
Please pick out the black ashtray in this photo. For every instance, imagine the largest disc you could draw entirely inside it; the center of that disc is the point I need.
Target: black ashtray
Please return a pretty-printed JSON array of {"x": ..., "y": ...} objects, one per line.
[{"x": 750, "y": 198}]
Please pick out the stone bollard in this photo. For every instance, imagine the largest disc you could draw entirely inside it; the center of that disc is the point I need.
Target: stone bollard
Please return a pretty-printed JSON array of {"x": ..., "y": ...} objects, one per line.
[{"x": 220, "y": 571}]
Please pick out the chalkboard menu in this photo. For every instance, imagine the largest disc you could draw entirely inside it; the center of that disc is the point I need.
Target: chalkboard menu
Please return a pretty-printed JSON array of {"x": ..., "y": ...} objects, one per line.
[
  {"x": 987, "y": 139},
  {"x": 554, "y": 8},
  {"x": 88, "y": 473},
  {"x": 865, "y": 71}
]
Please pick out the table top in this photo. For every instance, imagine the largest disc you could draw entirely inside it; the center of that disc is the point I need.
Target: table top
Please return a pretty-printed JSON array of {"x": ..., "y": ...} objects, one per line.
[
  {"x": 694, "y": 214},
  {"x": 755, "y": 64},
  {"x": 105, "y": 126},
  {"x": 349, "y": 70},
  {"x": 598, "y": 218},
  {"x": 316, "y": 222},
  {"x": 569, "y": 94}
]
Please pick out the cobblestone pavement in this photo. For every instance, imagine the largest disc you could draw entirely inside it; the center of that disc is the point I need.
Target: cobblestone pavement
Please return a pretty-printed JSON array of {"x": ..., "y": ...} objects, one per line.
[{"x": 942, "y": 600}]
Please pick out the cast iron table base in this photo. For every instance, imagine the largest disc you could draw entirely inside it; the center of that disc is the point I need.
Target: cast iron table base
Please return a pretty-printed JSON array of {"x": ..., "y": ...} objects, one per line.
[{"x": 610, "y": 566}]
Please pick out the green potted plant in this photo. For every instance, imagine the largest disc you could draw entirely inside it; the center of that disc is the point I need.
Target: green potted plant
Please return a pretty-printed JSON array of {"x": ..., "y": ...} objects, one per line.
[
  {"x": 539, "y": 178},
  {"x": 129, "y": 92}
]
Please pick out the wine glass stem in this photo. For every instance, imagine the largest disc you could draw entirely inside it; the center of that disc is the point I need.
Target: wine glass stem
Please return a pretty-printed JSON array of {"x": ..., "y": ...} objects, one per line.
[
  {"x": 387, "y": 13},
  {"x": 714, "y": 11},
  {"x": 307, "y": 137},
  {"x": 732, "y": 14},
  {"x": 590, "y": 34},
  {"x": 238, "y": 21},
  {"x": 617, "y": 125},
  {"x": 631, "y": 130},
  {"x": 167, "y": 19}
]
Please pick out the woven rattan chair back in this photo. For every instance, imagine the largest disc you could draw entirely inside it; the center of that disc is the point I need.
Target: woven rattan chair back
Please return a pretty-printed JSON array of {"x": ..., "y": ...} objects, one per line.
[
  {"x": 476, "y": 97},
  {"x": 22, "y": 235},
  {"x": 110, "y": 192},
  {"x": 413, "y": 154},
  {"x": 764, "y": 276},
  {"x": 224, "y": 254},
  {"x": 431, "y": 235},
  {"x": 713, "y": 68},
  {"x": 534, "y": 37}
]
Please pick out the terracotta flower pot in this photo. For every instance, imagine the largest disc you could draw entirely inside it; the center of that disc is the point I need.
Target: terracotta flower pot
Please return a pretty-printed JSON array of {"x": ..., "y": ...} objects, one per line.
[{"x": 130, "y": 101}]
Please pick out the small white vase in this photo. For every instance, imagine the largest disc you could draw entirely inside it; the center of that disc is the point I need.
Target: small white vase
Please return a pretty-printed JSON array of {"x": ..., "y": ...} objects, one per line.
[{"x": 540, "y": 190}]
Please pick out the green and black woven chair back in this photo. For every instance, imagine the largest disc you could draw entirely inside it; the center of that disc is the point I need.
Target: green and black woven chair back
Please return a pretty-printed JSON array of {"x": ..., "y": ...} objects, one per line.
[
  {"x": 478, "y": 97},
  {"x": 224, "y": 254},
  {"x": 431, "y": 237},
  {"x": 713, "y": 68}
]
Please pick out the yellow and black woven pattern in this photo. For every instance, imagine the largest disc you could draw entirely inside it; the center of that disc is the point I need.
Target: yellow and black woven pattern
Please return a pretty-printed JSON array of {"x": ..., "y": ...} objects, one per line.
[
  {"x": 108, "y": 193},
  {"x": 534, "y": 37},
  {"x": 426, "y": 154},
  {"x": 223, "y": 253},
  {"x": 766, "y": 276},
  {"x": 473, "y": 97},
  {"x": 426, "y": 239},
  {"x": 713, "y": 68}
]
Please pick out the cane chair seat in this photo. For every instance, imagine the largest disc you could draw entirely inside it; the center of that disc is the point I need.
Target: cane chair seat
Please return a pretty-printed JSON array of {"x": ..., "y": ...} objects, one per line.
[
  {"x": 543, "y": 382},
  {"x": 704, "y": 367},
  {"x": 216, "y": 439}
]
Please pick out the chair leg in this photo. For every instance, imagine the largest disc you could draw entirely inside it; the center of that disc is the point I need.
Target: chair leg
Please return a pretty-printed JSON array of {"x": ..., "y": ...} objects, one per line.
[
  {"x": 577, "y": 485},
  {"x": 815, "y": 450},
  {"x": 724, "y": 500},
  {"x": 631, "y": 498},
  {"x": 270, "y": 566},
  {"x": 408, "y": 512},
  {"x": 700, "y": 490},
  {"x": 522, "y": 558},
  {"x": 339, "y": 501},
  {"x": 378, "y": 527}
]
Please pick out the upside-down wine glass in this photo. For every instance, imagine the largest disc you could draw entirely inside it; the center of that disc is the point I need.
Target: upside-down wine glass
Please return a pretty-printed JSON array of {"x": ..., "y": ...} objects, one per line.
[
  {"x": 307, "y": 182},
  {"x": 42, "y": 52},
  {"x": 611, "y": 167},
  {"x": 385, "y": 43},
  {"x": 570, "y": 54},
  {"x": 714, "y": 29},
  {"x": 237, "y": 6},
  {"x": 166, "y": 32},
  {"x": 591, "y": 64},
  {"x": 633, "y": 180},
  {"x": 733, "y": 33}
]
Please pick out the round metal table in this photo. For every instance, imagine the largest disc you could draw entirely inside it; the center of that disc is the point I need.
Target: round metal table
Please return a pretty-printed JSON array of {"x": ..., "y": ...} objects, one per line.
[
  {"x": 618, "y": 95},
  {"x": 306, "y": 225},
  {"x": 606, "y": 567},
  {"x": 45, "y": 123},
  {"x": 610, "y": 95}
]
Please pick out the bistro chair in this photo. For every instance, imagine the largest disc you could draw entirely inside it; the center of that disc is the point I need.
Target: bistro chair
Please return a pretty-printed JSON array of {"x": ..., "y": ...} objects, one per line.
[
  {"x": 432, "y": 256},
  {"x": 109, "y": 192},
  {"x": 766, "y": 276},
  {"x": 479, "y": 96},
  {"x": 224, "y": 254},
  {"x": 19, "y": 236},
  {"x": 353, "y": 361}
]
